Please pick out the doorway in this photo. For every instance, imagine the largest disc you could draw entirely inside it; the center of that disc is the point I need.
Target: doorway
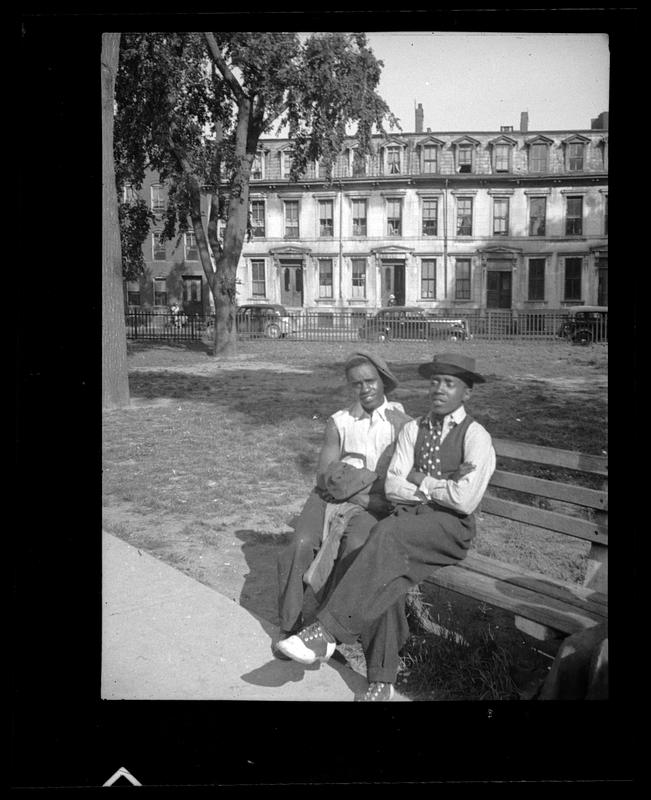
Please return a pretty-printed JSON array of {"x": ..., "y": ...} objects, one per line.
[
  {"x": 291, "y": 284},
  {"x": 393, "y": 282},
  {"x": 498, "y": 289}
]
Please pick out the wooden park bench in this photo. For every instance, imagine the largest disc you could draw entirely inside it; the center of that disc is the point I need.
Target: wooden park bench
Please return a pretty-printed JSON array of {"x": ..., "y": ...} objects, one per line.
[{"x": 542, "y": 607}]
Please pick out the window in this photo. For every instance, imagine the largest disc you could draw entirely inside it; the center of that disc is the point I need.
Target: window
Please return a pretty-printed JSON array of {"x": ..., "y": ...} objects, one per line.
[
  {"x": 464, "y": 158},
  {"x": 464, "y": 216},
  {"x": 393, "y": 160},
  {"x": 394, "y": 216},
  {"x": 430, "y": 217},
  {"x": 536, "y": 279},
  {"x": 501, "y": 216},
  {"x": 359, "y": 217},
  {"x": 158, "y": 247},
  {"x": 160, "y": 292},
  {"x": 325, "y": 277},
  {"x": 191, "y": 249},
  {"x": 359, "y": 277},
  {"x": 257, "y": 218},
  {"x": 606, "y": 215},
  {"x": 575, "y": 151},
  {"x": 291, "y": 219},
  {"x": 326, "y": 214},
  {"x": 359, "y": 164},
  {"x": 574, "y": 217},
  {"x": 538, "y": 158},
  {"x": 537, "y": 216},
  {"x": 573, "y": 278},
  {"x": 157, "y": 199},
  {"x": 428, "y": 278},
  {"x": 287, "y": 163},
  {"x": 462, "y": 279},
  {"x": 192, "y": 287},
  {"x": 133, "y": 293},
  {"x": 257, "y": 168},
  {"x": 258, "y": 287},
  {"x": 129, "y": 194},
  {"x": 502, "y": 155},
  {"x": 429, "y": 159}
]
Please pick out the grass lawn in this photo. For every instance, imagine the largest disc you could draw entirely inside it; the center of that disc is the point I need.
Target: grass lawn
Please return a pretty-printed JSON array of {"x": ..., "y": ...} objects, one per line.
[{"x": 213, "y": 459}]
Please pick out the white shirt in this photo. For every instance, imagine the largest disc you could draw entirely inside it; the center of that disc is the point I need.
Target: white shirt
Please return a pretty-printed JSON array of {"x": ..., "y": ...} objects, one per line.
[
  {"x": 464, "y": 495},
  {"x": 365, "y": 436}
]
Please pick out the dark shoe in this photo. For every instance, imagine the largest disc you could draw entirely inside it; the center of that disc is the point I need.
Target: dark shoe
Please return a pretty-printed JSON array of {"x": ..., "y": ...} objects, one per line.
[
  {"x": 377, "y": 691},
  {"x": 308, "y": 645}
]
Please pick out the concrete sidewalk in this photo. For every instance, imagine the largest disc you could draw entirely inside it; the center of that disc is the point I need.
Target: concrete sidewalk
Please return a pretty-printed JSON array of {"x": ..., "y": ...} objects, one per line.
[{"x": 165, "y": 636}]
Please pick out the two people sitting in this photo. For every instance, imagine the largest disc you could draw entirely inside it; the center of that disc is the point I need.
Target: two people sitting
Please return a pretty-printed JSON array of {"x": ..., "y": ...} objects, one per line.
[{"x": 417, "y": 514}]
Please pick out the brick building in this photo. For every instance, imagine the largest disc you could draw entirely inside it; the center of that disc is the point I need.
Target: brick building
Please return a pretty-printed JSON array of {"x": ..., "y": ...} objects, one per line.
[{"x": 508, "y": 219}]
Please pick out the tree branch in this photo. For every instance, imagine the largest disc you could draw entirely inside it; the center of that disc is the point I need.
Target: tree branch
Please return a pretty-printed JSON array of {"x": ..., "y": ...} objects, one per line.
[{"x": 222, "y": 66}]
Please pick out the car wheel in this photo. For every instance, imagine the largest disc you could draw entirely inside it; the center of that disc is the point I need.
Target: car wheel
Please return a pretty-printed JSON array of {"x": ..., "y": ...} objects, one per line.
[
  {"x": 583, "y": 337},
  {"x": 272, "y": 331}
]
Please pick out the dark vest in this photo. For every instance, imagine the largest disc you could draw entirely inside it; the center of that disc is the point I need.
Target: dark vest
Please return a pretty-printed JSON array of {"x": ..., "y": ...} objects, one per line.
[{"x": 451, "y": 454}]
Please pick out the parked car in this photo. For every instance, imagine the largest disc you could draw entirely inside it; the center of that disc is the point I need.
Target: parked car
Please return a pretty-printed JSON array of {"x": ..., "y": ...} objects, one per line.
[
  {"x": 412, "y": 322},
  {"x": 263, "y": 319},
  {"x": 585, "y": 324}
]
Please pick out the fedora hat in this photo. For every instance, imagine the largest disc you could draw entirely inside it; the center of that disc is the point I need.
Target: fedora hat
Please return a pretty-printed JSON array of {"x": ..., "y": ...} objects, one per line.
[
  {"x": 343, "y": 480},
  {"x": 452, "y": 364},
  {"x": 388, "y": 378}
]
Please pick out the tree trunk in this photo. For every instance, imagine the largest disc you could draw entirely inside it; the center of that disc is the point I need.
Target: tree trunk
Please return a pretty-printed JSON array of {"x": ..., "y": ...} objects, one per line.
[
  {"x": 115, "y": 383},
  {"x": 236, "y": 225}
]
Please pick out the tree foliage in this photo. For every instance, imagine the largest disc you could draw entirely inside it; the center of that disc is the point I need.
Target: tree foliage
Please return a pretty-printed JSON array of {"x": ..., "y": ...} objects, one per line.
[{"x": 193, "y": 106}]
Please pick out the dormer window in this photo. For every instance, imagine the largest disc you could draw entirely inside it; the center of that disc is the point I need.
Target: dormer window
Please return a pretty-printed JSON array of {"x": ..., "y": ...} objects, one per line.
[
  {"x": 502, "y": 158},
  {"x": 357, "y": 163},
  {"x": 464, "y": 158},
  {"x": 429, "y": 159},
  {"x": 257, "y": 168},
  {"x": 464, "y": 149},
  {"x": 429, "y": 149},
  {"x": 286, "y": 158},
  {"x": 501, "y": 153},
  {"x": 392, "y": 155},
  {"x": 539, "y": 154},
  {"x": 575, "y": 153}
]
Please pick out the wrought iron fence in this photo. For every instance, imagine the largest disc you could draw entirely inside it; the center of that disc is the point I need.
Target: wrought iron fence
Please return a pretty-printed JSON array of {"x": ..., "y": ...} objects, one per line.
[{"x": 324, "y": 326}]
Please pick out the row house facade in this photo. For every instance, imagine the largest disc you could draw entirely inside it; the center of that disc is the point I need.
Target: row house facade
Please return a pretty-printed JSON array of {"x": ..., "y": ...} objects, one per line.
[{"x": 508, "y": 219}]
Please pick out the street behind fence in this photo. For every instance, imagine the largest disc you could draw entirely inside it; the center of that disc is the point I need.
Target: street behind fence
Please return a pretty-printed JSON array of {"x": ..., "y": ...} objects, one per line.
[{"x": 313, "y": 326}]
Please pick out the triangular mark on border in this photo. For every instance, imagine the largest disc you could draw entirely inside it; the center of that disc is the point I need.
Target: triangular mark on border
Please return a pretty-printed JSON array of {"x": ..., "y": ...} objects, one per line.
[{"x": 122, "y": 773}]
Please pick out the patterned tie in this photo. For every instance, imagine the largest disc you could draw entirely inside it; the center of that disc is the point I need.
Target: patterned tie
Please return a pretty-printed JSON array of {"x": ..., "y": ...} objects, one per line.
[{"x": 430, "y": 456}]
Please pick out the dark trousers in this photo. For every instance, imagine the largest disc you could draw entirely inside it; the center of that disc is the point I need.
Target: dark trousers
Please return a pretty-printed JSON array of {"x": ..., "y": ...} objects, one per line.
[
  {"x": 300, "y": 552},
  {"x": 368, "y": 601}
]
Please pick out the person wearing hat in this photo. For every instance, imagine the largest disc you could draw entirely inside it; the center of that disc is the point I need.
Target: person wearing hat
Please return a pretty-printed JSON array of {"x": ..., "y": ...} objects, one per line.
[
  {"x": 362, "y": 436},
  {"x": 437, "y": 476}
]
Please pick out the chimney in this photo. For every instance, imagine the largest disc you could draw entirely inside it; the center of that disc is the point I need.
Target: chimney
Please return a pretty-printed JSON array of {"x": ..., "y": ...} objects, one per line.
[
  {"x": 419, "y": 118},
  {"x": 524, "y": 121},
  {"x": 600, "y": 122}
]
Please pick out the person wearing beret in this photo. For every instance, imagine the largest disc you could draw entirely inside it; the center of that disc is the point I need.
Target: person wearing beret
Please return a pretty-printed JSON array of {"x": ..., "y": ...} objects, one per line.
[
  {"x": 438, "y": 474},
  {"x": 363, "y": 436}
]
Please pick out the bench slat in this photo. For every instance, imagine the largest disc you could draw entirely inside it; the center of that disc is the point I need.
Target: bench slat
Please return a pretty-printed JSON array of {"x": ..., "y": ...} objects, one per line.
[
  {"x": 580, "y": 495},
  {"x": 570, "y": 593},
  {"x": 522, "y": 602},
  {"x": 551, "y": 520},
  {"x": 569, "y": 459}
]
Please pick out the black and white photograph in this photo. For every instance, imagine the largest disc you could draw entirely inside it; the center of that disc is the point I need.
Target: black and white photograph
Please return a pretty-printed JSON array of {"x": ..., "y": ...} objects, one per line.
[{"x": 348, "y": 424}]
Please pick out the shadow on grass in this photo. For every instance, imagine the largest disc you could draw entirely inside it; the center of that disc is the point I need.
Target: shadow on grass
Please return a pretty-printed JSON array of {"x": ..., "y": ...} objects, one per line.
[{"x": 525, "y": 410}]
